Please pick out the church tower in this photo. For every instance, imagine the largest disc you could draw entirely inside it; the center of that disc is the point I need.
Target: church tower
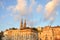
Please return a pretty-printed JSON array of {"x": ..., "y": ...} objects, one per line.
[
  {"x": 21, "y": 24},
  {"x": 25, "y": 23}
]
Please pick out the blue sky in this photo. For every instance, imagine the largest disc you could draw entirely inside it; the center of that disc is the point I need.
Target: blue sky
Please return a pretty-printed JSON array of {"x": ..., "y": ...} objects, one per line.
[{"x": 36, "y": 12}]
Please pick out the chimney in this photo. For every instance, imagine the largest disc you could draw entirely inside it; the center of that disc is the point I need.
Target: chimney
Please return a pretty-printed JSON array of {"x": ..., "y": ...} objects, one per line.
[{"x": 21, "y": 24}]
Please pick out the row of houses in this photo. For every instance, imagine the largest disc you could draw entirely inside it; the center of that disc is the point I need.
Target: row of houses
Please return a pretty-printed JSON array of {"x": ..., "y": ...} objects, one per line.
[{"x": 49, "y": 33}]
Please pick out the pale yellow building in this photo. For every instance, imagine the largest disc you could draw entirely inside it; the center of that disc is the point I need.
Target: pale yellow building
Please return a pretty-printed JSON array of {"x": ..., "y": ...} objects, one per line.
[
  {"x": 49, "y": 33},
  {"x": 27, "y": 33},
  {"x": 24, "y": 33},
  {"x": 39, "y": 32}
]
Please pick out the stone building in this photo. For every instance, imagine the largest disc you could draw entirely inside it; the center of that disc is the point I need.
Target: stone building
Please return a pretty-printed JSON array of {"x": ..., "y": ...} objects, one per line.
[
  {"x": 56, "y": 32},
  {"x": 39, "y": 32},
  {"x": 49, "y": 33},
  {"x": 27, "y": 33},
  {"x": 24, "y": 33}
]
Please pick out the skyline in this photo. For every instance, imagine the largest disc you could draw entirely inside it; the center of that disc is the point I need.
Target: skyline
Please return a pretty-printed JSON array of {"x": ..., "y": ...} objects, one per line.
[{"x": 36, "y": 12}]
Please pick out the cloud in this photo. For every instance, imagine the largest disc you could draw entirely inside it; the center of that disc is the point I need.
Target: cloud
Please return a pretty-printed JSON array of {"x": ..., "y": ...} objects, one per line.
[
  {"x": 39, "y": 8},
  {"x": 12, "y": 8},
  {"x": 19, "y": 10},
  {"x": 1, "y": 4},
  {"x": 4, "y": 16},
  {"x": 50, "y": 8},
  {"x": 32, "y": 22},
  {"x": 22, "y": 9},
  {"x": 21, "y": 5},
  {"x": 50, "y": 11},
  {"x": 33, "y": 2},
  {"x": 17, "y": 18},
  {"x": 52, "y": 19}
]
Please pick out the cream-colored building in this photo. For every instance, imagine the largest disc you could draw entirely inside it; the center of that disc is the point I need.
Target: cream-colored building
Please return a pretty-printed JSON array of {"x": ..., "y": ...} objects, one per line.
[
  {"x": 24, "y": 33},
  {"x": 49, "y": 33}
]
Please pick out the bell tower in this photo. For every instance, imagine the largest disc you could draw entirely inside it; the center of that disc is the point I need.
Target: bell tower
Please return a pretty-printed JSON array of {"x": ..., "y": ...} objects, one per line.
[
  {"x": 21, "y": 24},
  {"x": 25, "y": 23}
]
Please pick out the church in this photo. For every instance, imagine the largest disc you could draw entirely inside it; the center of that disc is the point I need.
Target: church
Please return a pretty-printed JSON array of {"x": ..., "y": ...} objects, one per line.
[{"x": 24, "y": 33}]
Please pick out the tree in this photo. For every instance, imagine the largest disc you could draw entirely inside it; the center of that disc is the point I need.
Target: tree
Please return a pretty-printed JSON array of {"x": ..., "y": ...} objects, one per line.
[
  {"x": 13, "y": 28},
  {"x": 1, "y": 35}
]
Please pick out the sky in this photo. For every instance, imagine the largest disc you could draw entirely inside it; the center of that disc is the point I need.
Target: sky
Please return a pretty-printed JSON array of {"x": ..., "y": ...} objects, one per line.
[{"x": 36, "y": 12}]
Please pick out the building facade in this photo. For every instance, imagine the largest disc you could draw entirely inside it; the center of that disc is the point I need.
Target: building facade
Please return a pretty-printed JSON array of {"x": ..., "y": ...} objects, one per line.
[
  {"x": 24, "y": 33},
  {"x": 49, "y": 33}
]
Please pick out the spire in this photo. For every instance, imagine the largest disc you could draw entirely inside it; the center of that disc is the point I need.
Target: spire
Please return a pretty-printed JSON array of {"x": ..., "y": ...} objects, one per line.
[
  {"x": 25, "y": 23},
  {"x": 21, "y": 24}
]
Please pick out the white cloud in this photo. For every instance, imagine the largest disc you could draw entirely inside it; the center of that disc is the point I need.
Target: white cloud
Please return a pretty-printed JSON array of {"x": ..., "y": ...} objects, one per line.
[
  {"x": 33, "y": 2},
  {"x": 21, "y": 5},
  {"x": 50, "y": 8},
  {"x": 51, "y": 13},
  {"x": 21, "y": 8},
  {"x": 53, "y": 17},
  {"x": 32, "y": 22},
  {"x": 39, "y": 8}
]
